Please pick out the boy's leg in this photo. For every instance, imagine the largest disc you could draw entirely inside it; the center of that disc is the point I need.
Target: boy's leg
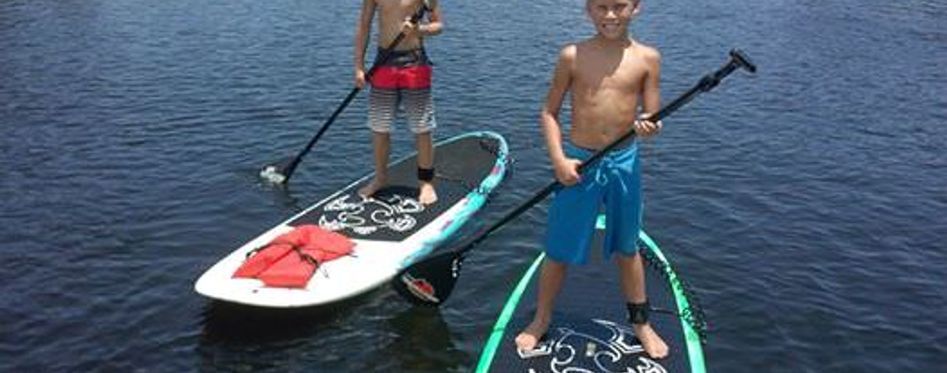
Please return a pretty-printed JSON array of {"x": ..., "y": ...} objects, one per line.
[
  {"x": 572, "y": 217},
  {"x": 631, "y": 268},
  {"x": 426, "y": 193},
  {"x": 550, "y": 282},
  {"x": 623, "y": 215},
  {"x": 381, "y": 142},
  {"x": 419, "y": 109},
  {"x": 381, "y": 112}
]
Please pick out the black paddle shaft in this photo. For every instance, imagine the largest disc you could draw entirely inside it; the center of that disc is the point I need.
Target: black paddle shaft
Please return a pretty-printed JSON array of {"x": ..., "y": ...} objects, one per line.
[
  {"x": 737, "y": 60},
  {"x": 429, "y": 282},
  {"x": 385, "y": 54}
]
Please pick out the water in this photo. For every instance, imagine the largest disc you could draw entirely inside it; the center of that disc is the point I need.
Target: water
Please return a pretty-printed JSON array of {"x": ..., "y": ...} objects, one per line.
[{"x": 805, "y": 204}]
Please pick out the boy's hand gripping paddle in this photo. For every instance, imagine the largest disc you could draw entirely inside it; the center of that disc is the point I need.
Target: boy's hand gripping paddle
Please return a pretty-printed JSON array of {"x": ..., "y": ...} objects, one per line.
[
  {"x": 430, "y": 281},
  {"x": 281, "y": 171}
]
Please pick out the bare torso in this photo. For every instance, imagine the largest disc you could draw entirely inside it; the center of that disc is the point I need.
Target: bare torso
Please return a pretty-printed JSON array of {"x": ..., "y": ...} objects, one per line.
[
  {"x": 606, "y": 87},
  {"x": 391, "y": 17}
]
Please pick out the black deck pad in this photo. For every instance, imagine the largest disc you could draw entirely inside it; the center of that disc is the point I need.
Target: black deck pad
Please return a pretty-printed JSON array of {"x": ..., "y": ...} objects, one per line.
[
  {"x": 590, "y": 331},
  {"x": 394, "y": 212}
]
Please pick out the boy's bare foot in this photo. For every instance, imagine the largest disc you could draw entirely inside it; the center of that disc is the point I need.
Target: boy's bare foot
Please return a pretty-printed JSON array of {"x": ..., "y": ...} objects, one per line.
[
  {"x": 653, "y": 345},
  {"x": 529, "y": 337},
  {"x": 426, "y": 193},
  {"x": 376, "y": 184}
]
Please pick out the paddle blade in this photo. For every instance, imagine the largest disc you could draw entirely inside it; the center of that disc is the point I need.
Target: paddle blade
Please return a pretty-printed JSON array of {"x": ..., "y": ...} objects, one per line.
[
  {"x": 430, "y": 281},
  {"x": 278, "y": 173}
]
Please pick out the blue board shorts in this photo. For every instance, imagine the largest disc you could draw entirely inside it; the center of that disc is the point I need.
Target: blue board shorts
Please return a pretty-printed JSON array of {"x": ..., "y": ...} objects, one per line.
[{"x": 613, "y": 181}]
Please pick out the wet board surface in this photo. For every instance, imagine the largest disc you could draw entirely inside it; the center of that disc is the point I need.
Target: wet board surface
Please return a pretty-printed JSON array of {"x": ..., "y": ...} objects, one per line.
[
  {"x": 590, "y": 331},
  {"x": 391, "y": 229}
]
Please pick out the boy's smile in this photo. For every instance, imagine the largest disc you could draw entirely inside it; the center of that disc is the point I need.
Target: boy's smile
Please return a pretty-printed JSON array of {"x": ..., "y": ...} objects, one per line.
[{"x": 611, "y": 17}]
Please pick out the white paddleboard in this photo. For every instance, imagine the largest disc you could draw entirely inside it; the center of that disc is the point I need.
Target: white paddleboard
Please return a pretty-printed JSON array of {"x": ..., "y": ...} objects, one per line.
[{"x": 391, "y": 230}]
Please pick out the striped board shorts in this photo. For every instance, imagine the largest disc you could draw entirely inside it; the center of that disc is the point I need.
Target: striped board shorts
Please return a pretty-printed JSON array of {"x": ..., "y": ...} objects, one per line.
[{"x": 403, "y": 81}]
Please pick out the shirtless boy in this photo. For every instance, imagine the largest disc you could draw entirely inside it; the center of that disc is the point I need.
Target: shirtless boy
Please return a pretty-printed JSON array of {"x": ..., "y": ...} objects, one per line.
[
  {"x": 614, "y": 83},
  {"x": 405, "y": 80}
]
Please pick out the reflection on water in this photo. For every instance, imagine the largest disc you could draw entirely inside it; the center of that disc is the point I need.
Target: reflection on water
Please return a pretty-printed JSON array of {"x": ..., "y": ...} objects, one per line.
[{"x": 414, "y": 339}]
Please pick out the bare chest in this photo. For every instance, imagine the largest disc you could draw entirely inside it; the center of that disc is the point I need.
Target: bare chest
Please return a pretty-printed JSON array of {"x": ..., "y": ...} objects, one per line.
[
  {"x": 625, "y": 76},
  {"x": 598, "y": 70},
  {"x": 396, "y": 10}
]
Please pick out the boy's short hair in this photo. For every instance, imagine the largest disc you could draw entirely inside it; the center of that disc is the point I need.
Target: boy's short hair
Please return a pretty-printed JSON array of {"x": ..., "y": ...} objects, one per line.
[{"x": 587, "y": 2}]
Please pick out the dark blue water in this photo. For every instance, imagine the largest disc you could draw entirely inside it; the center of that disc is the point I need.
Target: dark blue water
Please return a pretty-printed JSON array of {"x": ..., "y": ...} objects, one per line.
[{"x": 805, "y": 205}]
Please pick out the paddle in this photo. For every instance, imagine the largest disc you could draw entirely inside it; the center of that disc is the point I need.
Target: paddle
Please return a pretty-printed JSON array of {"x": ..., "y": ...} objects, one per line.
[
  {"x": 281, "y": 171},
  {"x": 430, "y": 281}
]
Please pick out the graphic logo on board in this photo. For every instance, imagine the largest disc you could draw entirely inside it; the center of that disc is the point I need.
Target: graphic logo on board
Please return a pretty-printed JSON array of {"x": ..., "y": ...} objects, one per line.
[
  {"x": 580, "y": 351},
  {"x": 371, "y": 214}
]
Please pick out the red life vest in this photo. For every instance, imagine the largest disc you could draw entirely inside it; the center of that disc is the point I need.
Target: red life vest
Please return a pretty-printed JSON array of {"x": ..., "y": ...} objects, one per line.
[{"x": 291, "y": 259}]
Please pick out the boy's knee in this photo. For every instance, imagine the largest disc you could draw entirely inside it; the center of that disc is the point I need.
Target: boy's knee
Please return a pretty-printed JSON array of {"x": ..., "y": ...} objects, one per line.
[
  {"x": 629, "y": 255},
  {"x": 379, "y": 127},
  {"x": 555, "y": 263},
  {"x": 380, "y": 131},
  {"x": 423, "y": 133},
  {"x": 423, "y": 127}
]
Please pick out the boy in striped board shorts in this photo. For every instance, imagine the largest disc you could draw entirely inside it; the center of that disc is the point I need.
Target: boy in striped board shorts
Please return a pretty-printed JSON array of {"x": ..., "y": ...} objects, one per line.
[{"x": 403, "y": 80}]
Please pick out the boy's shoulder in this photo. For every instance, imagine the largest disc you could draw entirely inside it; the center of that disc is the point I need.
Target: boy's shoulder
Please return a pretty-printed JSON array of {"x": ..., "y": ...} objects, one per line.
[
  {"x": 644, "y": 50},
  {"x": 428, "y": 3},
  {"x": 567, "y": 54},
  {"x": 583, "y": 44},
  {"x": 570, "y": 52},
  {"x": 649, "y": 53}
]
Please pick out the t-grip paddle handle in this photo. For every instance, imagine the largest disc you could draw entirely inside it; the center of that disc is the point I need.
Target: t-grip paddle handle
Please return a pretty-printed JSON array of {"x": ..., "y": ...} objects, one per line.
[
  {"x": 741, "y": 59},
  {"x": 738, "y": 59}
]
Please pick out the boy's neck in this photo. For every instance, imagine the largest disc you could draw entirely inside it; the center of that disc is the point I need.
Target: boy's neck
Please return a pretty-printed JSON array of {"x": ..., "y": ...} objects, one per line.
[{"x": 622, "y": 42}]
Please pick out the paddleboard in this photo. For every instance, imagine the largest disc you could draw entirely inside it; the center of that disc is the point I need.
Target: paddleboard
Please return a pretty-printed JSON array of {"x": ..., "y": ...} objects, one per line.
[
  {"x": 590, "y": 331},
  {"x": 390, "y": 230}
]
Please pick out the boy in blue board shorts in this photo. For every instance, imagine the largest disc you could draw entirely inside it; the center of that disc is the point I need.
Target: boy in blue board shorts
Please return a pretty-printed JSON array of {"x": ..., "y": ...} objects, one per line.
[{"x": 609, "y": 76}]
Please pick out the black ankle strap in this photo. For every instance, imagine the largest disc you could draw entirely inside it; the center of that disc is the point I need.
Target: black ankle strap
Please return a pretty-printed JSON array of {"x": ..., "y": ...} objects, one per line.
[
  {"x": 426, "y": 174},
  {"x": 638, "y": 312}
]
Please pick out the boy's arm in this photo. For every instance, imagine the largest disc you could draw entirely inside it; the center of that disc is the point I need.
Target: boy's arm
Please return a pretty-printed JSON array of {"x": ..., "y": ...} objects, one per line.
[
  {"x": 362, "y": 28},
  {"x": 434, "y": 25},
  {"x": 651, "y": 93},
  {"x": 549, "y": 117}
]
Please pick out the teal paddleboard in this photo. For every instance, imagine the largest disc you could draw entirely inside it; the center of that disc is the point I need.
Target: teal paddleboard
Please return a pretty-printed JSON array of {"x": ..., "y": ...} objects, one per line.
[{"x": 590, "y": 331}]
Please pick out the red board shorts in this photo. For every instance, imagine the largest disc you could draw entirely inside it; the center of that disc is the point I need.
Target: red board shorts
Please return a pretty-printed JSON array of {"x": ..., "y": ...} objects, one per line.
[{"x": 403, "y": 80}]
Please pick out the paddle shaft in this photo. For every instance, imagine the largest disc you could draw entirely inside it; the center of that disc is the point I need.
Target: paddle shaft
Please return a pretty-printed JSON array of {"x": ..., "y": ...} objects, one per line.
[
  {"x": 385, "y": 54},
  {"x": 705, "y": 84}
]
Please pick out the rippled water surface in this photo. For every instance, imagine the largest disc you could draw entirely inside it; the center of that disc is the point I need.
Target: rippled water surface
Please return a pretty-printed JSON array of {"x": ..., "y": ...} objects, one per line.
[{"x": 805, "y": 205}]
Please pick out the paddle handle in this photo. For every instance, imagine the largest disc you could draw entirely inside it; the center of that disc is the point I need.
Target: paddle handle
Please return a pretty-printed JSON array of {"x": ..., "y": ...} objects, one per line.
[
  {"x": 737, "y": 60},
  {"x": 385, "y": 55}
]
